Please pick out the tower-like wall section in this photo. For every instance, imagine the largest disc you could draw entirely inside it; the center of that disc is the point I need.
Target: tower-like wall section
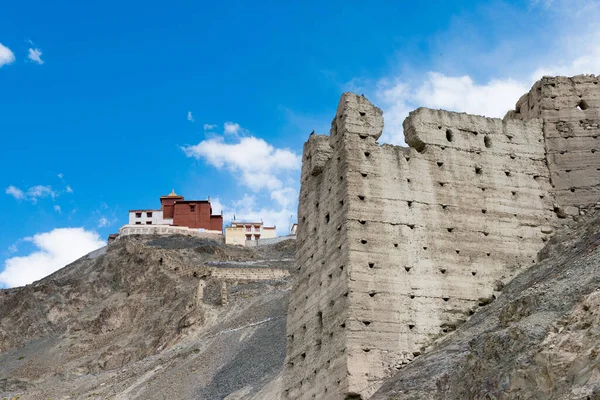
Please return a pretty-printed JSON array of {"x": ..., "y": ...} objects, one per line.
[
  {"x": 570, "y": 109},
  {"x": 397, "y": 246}
]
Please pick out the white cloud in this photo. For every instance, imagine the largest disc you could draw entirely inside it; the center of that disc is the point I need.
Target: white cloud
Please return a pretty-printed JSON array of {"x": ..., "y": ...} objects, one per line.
[
  {"x": 35, "y": 55},
  {"x": 271, "y": 173},
  {"x": 253, "y": 161},
  {"x": 231, "y": 128},
  {"x": 38, "y": 192},
  {"x": 217, "y": 206},
  {"x": 248, "y": 209},
  {"x": 103, "y": 222},
  {"x": 60, "y": 176},
  {"x": 460, "y": 94},
  {"x": 57, "y": 208},
  {"x": 6, "y": 56},
  {"x": 190, "y": 117},
  {"x": 15, "y": 192},
  {"x": 68, "y": 189},
  {"x": 55, "y": 249},
  {"x": 13, "y": 248},
  {"x": 209, "y": 127}
]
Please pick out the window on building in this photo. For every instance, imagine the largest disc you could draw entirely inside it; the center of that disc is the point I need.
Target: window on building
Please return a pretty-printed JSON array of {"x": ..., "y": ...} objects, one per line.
[
  {"x": 138, "y": 215},
  {"x": 248, "y": 228},
  {"x": 256, "y": 237},
  {"x": 138, "y": 223},
  {"x": 149, "y": 214},
  {"x": 148, "y": 222},
  {"x": 192, "y": 208},
  {"x": 257, "y": 228},
  {"x": 248, "y": 237}
]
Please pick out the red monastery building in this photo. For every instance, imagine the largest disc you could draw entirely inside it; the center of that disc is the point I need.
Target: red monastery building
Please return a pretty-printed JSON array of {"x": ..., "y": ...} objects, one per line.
[{"x": 176, "y": 211}]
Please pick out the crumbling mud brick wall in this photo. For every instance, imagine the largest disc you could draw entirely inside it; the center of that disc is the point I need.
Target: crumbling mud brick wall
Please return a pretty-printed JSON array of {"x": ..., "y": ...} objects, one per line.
[
  {"x": 397, "y": 246},
  {"x": 570, "y": 110}
]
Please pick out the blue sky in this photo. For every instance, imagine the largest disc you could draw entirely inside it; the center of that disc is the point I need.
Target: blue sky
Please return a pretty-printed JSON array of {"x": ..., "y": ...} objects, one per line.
[{"x": 104, "y": 107}]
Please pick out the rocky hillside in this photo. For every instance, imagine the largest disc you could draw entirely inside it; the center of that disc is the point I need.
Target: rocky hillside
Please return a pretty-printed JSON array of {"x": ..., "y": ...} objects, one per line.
[
  {"x": 130, "y": 322},
  {"x": 540, "y": 339}
]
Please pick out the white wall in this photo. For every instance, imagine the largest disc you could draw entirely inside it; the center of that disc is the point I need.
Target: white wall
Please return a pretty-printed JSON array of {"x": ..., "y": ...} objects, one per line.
[{"x": 156, "y": 219}]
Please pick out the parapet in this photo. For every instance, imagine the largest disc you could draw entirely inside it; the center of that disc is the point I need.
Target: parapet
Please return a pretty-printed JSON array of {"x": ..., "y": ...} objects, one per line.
[{"x": 398, "y": 246}]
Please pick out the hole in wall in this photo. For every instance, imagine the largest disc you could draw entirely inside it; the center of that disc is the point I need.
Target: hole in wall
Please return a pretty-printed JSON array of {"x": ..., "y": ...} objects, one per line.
[
  {"x": 367, "y": 154},
  {"x": 424, "y": 247},
  {"x": 362, "y": 222},
  {"x": 367, "y": 323},
  {"x": 343, "y": 325},
  {"x": 339, "y": 228},
  {"x": 362, "y": 114},
  {"x": 485, "y": 233},
  {"x": 362, "y": 197},
  {"x": 411, "y": 326},
  {"x": 371, "y": 265},
  {"x": 407, "y": 159},
  {"x": 450, "y": 229},
  {"x": 341, "y": 267},
  {"x": 366, "y": 350},
  {"x": 572, "y": 190},
  {"x": 395, "y": 244},
  {"x": 593, "y": 150},
  {"x": 327, "y": 218},
  {"x": 372, "y": 293},
  {"x": 445, "y": 298},
  {"x": 443, "y": 270},
  {"x": 507, "y": 173},
  {"x": 488, "y": 254},
  {"x": 487, "y": 141},
  {"x": 342, "y": 202},
  {"x": 408, "y": 180},
  {"x": 364, "y": 174},
  {"x": 478, "y": 170},
  {"x": 444, "y": 206},
  {"x": 412, "y": 296},
  {"x": 439, "y": 164},
  {"x": 483, "y": 211},
  {"x": 473, "y": 273},
  {"x": 449, "y": 135},
  {"x": 512, "y": 156},
  {"x": 514, "y": 193},
  {"x": 582, "y": 105},
  {"x": 409, "y": 204},
  {"x": 363, "y": 241},
  {"x": 407, "y": 268}
]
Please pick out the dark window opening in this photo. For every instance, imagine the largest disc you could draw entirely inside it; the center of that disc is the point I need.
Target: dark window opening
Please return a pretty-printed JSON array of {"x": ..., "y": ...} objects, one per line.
[{"x": 149, "y": 214}]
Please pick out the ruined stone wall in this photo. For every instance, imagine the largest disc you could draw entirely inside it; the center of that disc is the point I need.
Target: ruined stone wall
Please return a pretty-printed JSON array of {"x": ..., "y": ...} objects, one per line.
[
  {"x": 570, "y": 109},
  {"x": 397, "y": 246},
  {"x": 248, "y": 274}
]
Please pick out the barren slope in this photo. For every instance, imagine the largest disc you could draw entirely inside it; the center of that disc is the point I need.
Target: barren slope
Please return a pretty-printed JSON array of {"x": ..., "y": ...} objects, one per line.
[{"x": 127, "y": 322}]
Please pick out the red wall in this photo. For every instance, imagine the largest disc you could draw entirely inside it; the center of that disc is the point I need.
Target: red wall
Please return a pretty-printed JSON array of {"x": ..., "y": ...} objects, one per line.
[
  {"x": 216, "y": 222},
  {"x": 167, "y": 206},
  {"x": 199, "y": 218}
]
